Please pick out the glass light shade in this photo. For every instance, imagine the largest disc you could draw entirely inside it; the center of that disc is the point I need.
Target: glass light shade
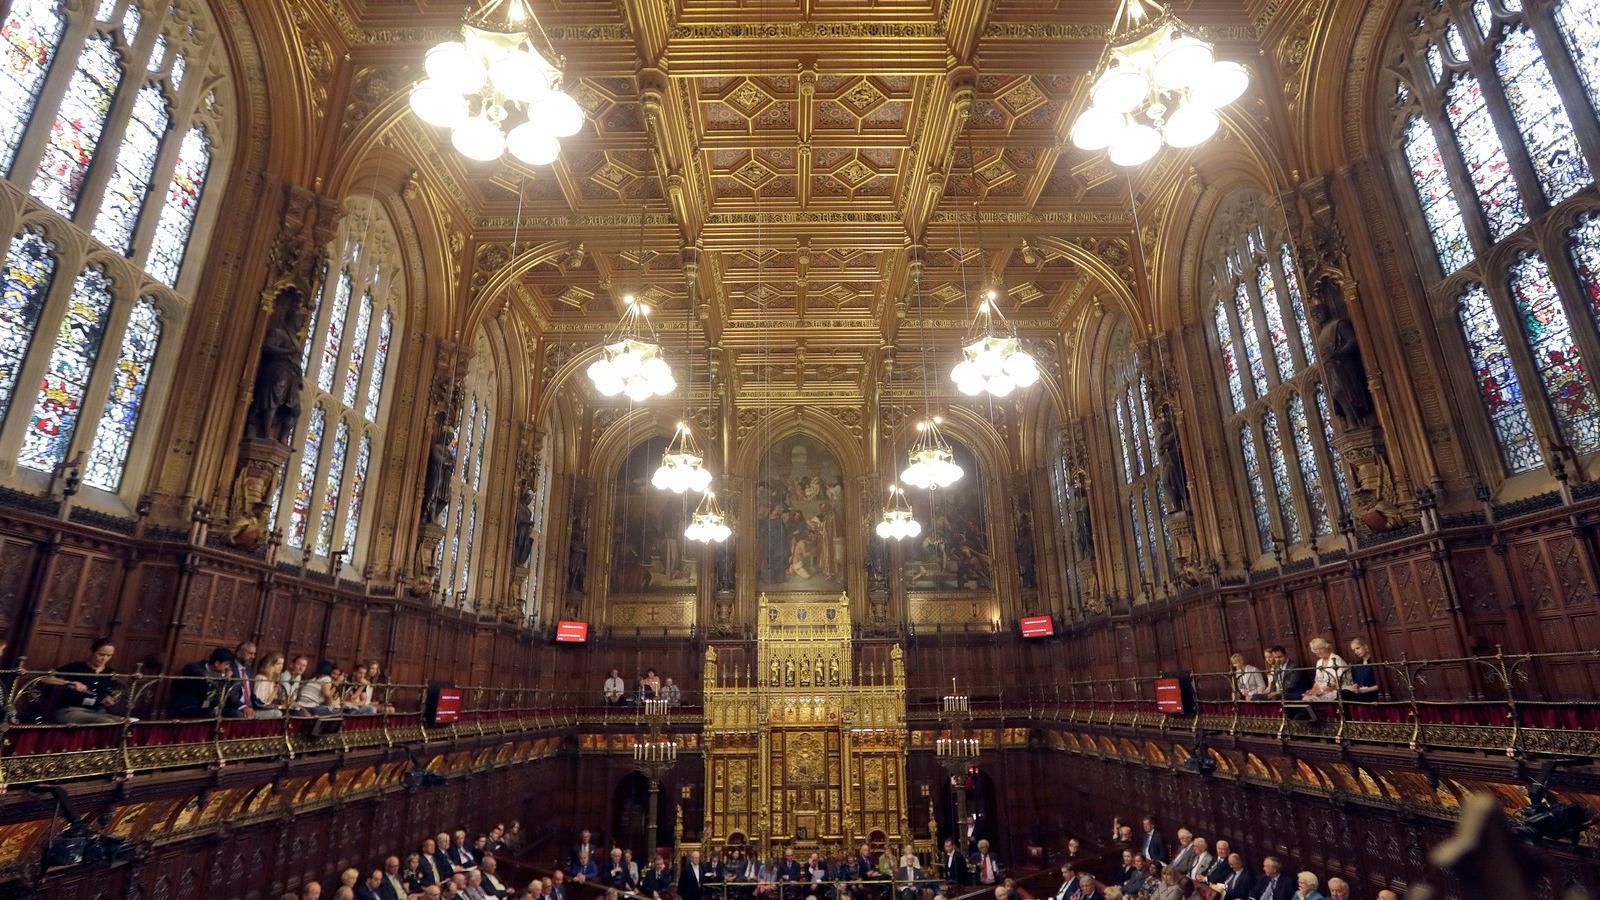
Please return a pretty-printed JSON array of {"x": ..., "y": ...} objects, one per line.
[
  {"x": 438, "y": 104},
  {"x": 519, "y": 76},
  {"x": 997, "y": 365},
  {"x": 1179, "y": 62},
  {"x": 480, "y": 139},
  {"x": 1120, "y": 90},
  {"x": 1222, "y": 84},
  {"x": 452, "y": 64},
  {"x": 1135, "y": 144},
  {"x": 1191, "y": 126},
  {"x": 558, "y": 113},
  {"x": 897, "y": 525},
  {"x": 1095, "y": 128},
  {"x": 708, "y": 526},
  {"x": 534, "y": 146},
  {"x": 680, "y": 473},
  {"x": 632, "y": 367},
  {"x": 932, "y": 468}
]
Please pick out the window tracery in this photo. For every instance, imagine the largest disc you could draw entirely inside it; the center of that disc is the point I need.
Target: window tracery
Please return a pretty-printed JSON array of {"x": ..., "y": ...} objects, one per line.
[
  {"x": 1145, "y": 531},
  {"x": 473, "y": 438}
]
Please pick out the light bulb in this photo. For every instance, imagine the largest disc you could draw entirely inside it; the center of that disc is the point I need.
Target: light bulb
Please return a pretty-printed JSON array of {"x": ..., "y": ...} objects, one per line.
[
  {"x": 1120, "y": 89},
  {"x": 479, "y": 139},
  {"x": 1095, "y": 128},
  {"x": 533, "y": 145},
  {"x": 437, "y": 104},
  {"x": 1134, "y": 145},
  {"x": 558, "y": 113},
  {"x": 1191, "y": 126},
  {"x": 1179, "y": 62},
  {"x": 452, "y": 64},
  {"x": 1222, "y": 84},
  {"x": 519, "y": 76}
]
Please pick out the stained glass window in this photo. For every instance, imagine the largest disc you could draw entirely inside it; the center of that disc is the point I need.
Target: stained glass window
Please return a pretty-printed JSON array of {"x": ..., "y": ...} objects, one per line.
[
  {"x": 483, "y": 441},
  {"x": 1453, "y": 39},
  {"x": 132, "y": 178},
  {"x": 1136, "y": 433},
  {"x": 1230, "y": 365},
  {"x": 305, "y": 486},
  {"x": 1258, "y": 495},
  {"x": 180, "y": 65},
  {"x": 158, "y": 54},
  {"x": 334, "y": 339},
  {"x": 358, "y": 349},
  {"x": 455, "y": 551},
  {"x": 466, "y": 552},
  {"x": 1482, "y": 15},
  {"x": 66, "y": 377},
  {"x": 1123, "y": 443},
  {"x": 130, "y": 24},
  {"x": 1579, "y": 22},
  {"x": 1435, "y": 62},
  {"x": 1136, "y": 520},
  {"x": 105, "y": 10},
  {"x": 470, "y": 422},
  {"x": 1247, "y": 336},
  {"x": 75, "y": 135},
  {"x": 1306, "y": 454},
  {"x": 358, "y": 490},
  {"x": 316, "y": 313},
  {"x": 330, "y": 495},
  {"x": 32, "y": 32},
  {"x": 30, "y": 267},
  {"x": 176, "y": 224},
  {"x": 1541, "y": 117},
  {"x": 1555, "y": 353},
  {"x": 129, "y": 381},
  {"x": 1280, "y": 478},
  {"x": 1583, "y": 244},
  {"x": 1342, "y": 489},
  {"x": 1297, "y": 304},
  {"x": 1276, "y": 332},
  {"x": 380, "y": 359},
  {"x": 1497, "y": 380},
  {"x": 1485, "y": 155},
  {"x": 1439, "y": 206}
]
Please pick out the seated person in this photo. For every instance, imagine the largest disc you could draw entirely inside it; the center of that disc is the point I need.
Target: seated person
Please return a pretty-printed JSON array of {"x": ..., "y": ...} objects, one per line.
[
  {"x": 319, "y": 694},
  {"x": 1331, "y": 671},
  {"x": 204, "y": 685},
  {"x": 1362, "y": 685},
  {"x": 658, "y": 882},
  {"x": 906, "y": 875},
  {"x": 616, "y": 872},
  {"x": 614, "y": 689},
  {"x": 583, "y": 869},
  {"x": 86, "y": 689},
  {"x": 266, "y": 690}
]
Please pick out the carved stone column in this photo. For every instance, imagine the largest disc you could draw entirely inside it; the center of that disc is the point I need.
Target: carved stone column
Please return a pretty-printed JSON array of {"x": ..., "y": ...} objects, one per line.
[{"x": 272, "y": 407}]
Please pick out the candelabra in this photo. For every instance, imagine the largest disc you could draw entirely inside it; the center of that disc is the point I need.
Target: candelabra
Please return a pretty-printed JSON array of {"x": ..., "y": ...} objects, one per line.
[
  {"x": 958, "y": 754},
  {"x": 665, "y": 751},
  {"x": 654, "y": 755}
]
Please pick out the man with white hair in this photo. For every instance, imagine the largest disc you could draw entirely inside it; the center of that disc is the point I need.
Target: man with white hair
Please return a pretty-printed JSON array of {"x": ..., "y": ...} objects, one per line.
[
  {"x": 1200, "y": 860},
  {"x": 1220, "y": 868},
  {"x": 1338, "y": 889}
]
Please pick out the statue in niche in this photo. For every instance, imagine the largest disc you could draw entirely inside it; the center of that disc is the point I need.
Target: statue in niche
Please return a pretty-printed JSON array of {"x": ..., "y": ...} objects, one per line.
[
  {"x": 777, "y": 679},
  {"x": 817, "y": 677},
  {"x": 1084, "y": 525},
  {"x": 788, "y": 673},
  {"x": 275, "y": 403},
  {"x": 1027, "y": 563},
  {"x": 577, "y": 557},
  {"x": 522, "y": 536},
  {"x": 1169, "y": 455},
  {"x": 877, "y": 565},
  {"x": 722, "y": 567},
  {"x": 436, "y": 478},
  {"x": 1342, "y": 369},
  {"x": 833, "y": 671}
]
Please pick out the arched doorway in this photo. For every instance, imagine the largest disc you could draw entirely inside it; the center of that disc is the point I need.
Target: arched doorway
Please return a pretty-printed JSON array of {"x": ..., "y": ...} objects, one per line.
[{"x": 630, "y": 806}]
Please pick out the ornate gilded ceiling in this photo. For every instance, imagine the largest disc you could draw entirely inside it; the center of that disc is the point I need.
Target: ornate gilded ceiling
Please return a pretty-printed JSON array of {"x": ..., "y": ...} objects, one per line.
[{"x": 792, "y": 157}]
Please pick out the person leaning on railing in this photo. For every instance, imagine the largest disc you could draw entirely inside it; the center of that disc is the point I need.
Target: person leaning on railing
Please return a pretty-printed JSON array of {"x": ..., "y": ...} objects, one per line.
[{"x": 204, "y": 685}]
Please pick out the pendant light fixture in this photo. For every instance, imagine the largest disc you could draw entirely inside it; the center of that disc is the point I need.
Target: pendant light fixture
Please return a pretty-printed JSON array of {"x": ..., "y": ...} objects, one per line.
[
  {"x": 1157, "y": 82},
  {"x": 931, "y": 464},
  {"x": 708, "y": 525},
  {"x": 498, "y": 88},
  {"x": 631, "y": 361},
  {"x": 898, "y": 522},
  {"x": 682, "y": 466}
]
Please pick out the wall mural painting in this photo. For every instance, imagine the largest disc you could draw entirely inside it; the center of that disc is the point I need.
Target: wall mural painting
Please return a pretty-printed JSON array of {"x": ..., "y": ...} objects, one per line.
[
  {"x": 800, "y": 512},
  {"x": 649, "y": 554},
  {"x": 953, "y": 552}
]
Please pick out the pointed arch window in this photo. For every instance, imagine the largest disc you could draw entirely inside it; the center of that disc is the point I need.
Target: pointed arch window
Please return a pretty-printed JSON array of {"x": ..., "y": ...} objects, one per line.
[
  {"x": 1146, "y": 530},
  {"x": 1518, "y": 103},
  {"x": 136, "y": 166},
  {"x": 60, "y": 400},
  {"x": 354, "y": 313},
  {"x": 1282, "y": 439},
  {"x": 130, "y": 379},
  {"x": 75, "y": 136},
  {"x": 30, "y": 267},
  {"x": 469, "y": 489},
  {"x": 182, "y": 205},
  {"x": 32, "y": 38}
]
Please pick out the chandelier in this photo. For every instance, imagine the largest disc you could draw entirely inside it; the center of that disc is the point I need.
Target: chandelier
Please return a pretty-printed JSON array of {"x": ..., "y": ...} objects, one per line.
[
  {"x": 993, "y": 358},
  {"x": 495, "y": 90},
  {"x": 682, "y": 466},
  {"x": 1157, "y": 82},
  {"x": 708, "y": 525},
  {"x": 933, "y": 465},
  {"x": 898, "y": 522},
  {"x": 631, "y": 362}
]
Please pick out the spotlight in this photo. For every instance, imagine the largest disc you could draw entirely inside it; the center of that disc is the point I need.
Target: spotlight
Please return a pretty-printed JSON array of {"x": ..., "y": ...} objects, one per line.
[
  {"x": 79, "y": 844},
  {"x": 1547, "y": 819},
  {"x": 1201, "y": 761}
]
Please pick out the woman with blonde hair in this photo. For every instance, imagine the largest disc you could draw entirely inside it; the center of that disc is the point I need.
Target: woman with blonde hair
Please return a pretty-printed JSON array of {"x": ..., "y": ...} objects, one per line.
[
  {"x": 1362, "y": 684},
  {"x": 1247, "y": 679},
  {"x": 1332, "y": 672},
  {"x": 266, "y": 694}
]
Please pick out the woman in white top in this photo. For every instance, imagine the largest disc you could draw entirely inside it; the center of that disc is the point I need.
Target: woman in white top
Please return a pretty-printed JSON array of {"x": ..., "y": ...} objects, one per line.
[
  {"x": 266, "y": 695},
  {"x": 317, "y": 694},
  {"x": 1247, "y": 679},
  {"x": 1332, "y": 671}
]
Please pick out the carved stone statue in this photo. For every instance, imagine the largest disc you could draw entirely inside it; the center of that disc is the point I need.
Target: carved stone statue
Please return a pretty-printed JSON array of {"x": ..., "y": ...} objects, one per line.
[
  {"x": 1083, "y": 525},
  {"x": 436, "y": 480},
  {"x": 577, "y": 558},
  {"x": 1027, "y": 567},
  {"x": 522, "y": 536},
  {"x": 1169, "y": 453},
  {"x": 275, "y": 405},
  {"x": 1342, "y": 369},
  {"x": 877, "y": 564},
  {"x": 722, "y": 568}
]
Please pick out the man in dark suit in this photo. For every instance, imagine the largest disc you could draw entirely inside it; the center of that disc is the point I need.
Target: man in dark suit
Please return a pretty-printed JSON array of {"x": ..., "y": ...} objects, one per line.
[
  {"x": 790, "y": 869},
  {"x": 368, "y": 890},
  {"x": 462, "y": 856},
  {"x": 558, "y": 885},
  {"x": 658, "y": 880},
  {"x": 986, "y": 866},
  {"x": 585, "y": 843},
  {"x": 585, "y": 869},
  {"x": 1219, "y": 869},
  {"x": 955, "y": 863},
  {"x": 1237, "y": 882},
  {"x": 691, "y": 879},
  {"x": 616, "y": 873},
  {"x": 393, "y": 886},
  {"x": 975, "y": 832},
  {"x": 492, "y": 884},
  {"x": 1273, "y": 883},
  {"x": 202, "y": 685},
  {"x": 1151, "y": 844},
  {"x": 428, "y": 865}
]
